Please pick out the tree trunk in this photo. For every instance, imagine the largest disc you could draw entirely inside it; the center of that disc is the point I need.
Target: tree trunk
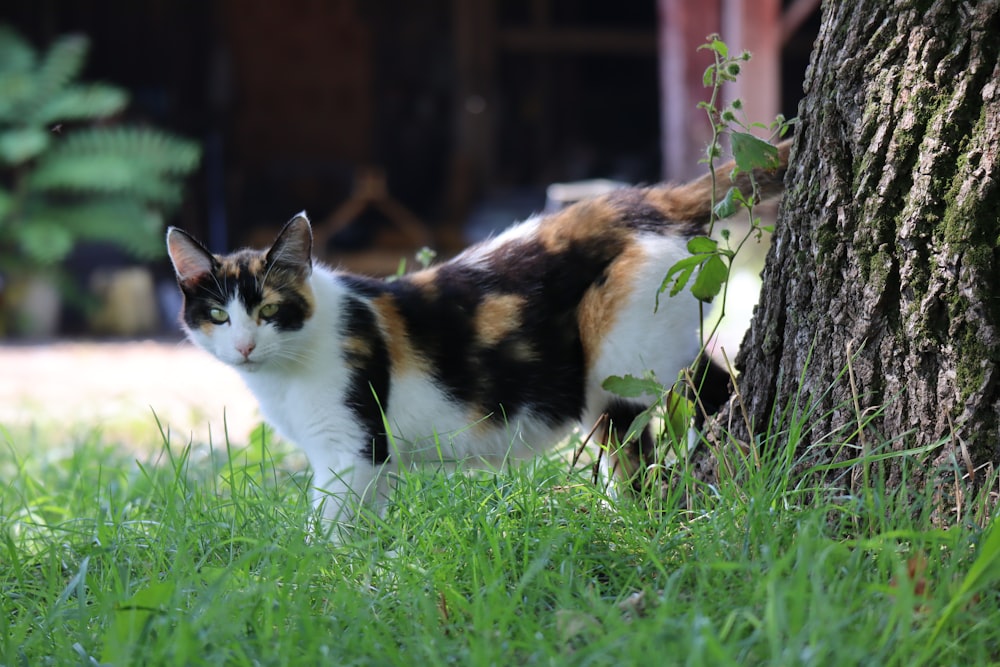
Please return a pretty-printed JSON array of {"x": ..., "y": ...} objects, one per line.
[{"x": 886, "y": 249}]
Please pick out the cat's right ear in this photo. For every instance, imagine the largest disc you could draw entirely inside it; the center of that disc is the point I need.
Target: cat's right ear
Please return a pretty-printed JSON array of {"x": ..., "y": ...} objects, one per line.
[
  {"x": 191, "y": 259},
  {"x": 293, "y": 247}
]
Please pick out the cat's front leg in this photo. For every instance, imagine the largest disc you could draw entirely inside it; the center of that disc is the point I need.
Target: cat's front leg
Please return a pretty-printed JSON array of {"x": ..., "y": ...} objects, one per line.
[{"x": 345, "y": 485}]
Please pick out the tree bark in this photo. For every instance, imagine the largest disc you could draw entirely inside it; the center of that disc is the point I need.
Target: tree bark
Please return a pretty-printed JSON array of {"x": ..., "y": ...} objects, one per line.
[{"x": 886, "y": 250}]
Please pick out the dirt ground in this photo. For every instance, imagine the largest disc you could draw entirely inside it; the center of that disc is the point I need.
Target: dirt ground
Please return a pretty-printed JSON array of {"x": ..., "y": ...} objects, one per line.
[{"x": 115, "y": 388}]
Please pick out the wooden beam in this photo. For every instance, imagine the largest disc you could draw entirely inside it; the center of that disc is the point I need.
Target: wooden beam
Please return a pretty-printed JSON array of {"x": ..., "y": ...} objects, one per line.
[
  {"x": 755, "y": 26},
  {"x": 686, "y": 131}
]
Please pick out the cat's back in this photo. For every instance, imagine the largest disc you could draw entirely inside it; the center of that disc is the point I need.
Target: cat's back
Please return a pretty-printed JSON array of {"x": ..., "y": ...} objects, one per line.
[
  {"x": 589, "y": 234},
  {"x": 522, "y": 320},
  {"x": 541, "y": 272}
]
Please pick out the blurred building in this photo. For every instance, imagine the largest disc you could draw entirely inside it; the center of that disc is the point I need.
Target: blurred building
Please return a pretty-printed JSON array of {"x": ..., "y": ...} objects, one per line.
[{"x": 454, "y": 113}]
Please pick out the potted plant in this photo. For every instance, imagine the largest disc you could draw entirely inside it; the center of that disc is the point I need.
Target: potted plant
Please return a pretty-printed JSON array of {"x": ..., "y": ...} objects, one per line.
[{"x": 68, "y": 175}]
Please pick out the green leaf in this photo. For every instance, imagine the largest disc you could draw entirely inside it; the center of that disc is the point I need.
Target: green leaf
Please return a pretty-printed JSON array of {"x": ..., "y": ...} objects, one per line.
[
  {"x": 103, "y": 173},
  {"x": 21, "y": 144},
  {"x": 18, "y": 86},
  {"x": 17, "y": 90},
  {"x": 692, "y": 262},
  {"x": 132, "y": 620},
  {"x": 82, "y": 103},
  {"x": 678, "y": 416},
  {"x": 739, "y": 197},
  {"x": 159, "y": 151},
  {"x": 61, "y": 64},
  {"x": 16, "y": 53},
  {"x": 633, "y": 387},
  {"x": 728, "y": 205},
  {"x": 44, "y": 241},
  {"x": 720, "y": 47},
  {"x": 706, "y": 78},
  {"x": 679, "y": 283},
  {"x": 752, "y": 153},
  {"x": 711, "y": 276},
  {"x": 125, "y": 222},
  {"x": 702, "y": 245},
  {"x": 639, "y": 424},
  {"x": 683, "y": 270}
]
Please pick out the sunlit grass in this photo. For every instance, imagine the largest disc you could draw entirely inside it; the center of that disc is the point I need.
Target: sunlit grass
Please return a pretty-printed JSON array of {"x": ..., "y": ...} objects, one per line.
[{"x": 197, "y": 555}]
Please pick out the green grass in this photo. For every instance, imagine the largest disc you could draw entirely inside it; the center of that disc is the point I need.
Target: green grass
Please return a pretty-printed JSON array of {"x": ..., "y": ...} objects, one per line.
[{"x": 200, "y": 556}]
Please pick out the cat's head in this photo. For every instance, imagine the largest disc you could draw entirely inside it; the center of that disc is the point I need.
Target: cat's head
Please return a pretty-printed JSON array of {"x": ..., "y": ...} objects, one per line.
[{"x": 247, "y": 308}]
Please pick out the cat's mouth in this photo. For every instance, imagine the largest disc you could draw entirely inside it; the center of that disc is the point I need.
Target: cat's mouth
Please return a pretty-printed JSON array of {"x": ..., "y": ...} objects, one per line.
[{"x": 248, "y": 365}]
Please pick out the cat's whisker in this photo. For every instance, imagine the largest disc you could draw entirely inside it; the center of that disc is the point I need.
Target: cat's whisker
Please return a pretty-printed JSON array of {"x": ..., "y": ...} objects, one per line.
[
  {"x": 220, "y": 295},
  {"x": 299, "y": 357},
  {"x": 267, "y": 272}
]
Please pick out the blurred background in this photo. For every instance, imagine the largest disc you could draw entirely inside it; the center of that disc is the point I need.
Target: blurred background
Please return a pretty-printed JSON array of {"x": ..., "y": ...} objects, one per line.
[
  {"x": 395, "y": 125},
  {"x": 426, "y": 122}
]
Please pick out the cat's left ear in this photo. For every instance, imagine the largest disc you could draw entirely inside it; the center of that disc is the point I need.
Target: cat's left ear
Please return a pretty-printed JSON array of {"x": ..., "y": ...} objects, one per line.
[{"x": 293, "y": 247}]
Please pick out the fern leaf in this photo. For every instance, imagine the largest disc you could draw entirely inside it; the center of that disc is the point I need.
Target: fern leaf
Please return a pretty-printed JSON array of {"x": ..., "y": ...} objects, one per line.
[
  {"x": 102, "y": 174},
  {"x": 17, "y": 84},
  {"x": 16, "y": 53},
  {"x": 158, "y": 151},
  {"x": 96, "y": 184},
  {"x": 128, "y": 224},
  {"x": 82, "y": 103},
  {"x": 44, "y": 241},
  {"x": 17, "y": 91},
  {"x": 138, "y": 162},
  {"x": 60, "y": 65},
  {"x": 21, "y": 144}
]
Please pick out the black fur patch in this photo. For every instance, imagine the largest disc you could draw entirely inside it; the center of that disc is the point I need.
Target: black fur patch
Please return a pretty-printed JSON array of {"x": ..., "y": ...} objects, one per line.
[
  {"x": 631, "y": 457},
  {"x": 539, "y": 366},
  {"x": 200, "y": 296},
  {"x": 636, "y": 212},
  {"x": 369, "y": 380}
]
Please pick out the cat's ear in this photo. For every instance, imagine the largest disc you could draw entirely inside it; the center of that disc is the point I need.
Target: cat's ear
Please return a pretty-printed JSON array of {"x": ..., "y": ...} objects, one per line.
[
  {"x": 191, "y": 259},
  {"x": 293, "y": 247}
]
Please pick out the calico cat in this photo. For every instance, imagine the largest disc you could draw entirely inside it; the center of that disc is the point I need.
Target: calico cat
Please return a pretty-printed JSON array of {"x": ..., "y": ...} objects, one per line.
[{"x": 498, "y": 352}]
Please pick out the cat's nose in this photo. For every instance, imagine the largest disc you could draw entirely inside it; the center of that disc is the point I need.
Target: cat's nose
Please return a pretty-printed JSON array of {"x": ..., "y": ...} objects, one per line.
[{"x": 245, "y": 349}]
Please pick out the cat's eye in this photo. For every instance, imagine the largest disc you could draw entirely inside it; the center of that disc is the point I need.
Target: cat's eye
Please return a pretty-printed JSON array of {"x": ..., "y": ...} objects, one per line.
[
  {"x": 218, "y": 315},
  {"x": 269, "y": 310}
]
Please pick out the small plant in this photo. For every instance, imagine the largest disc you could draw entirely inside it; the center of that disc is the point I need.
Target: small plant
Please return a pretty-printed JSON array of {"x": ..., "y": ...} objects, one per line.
[
  {"x": 66, "y": 175},
  {"x": 712, "y": 260}
]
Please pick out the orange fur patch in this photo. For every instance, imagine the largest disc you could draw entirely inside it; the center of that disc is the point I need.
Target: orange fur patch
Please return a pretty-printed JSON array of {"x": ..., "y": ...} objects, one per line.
[
  {"x": 401, "y": 353},
  {"x": 425, "y": 281},
  {"x": 593, "y": 220},
  {"x": 599, "y": 306},
  {"x": 256, "y": 265},
  {"x": 357, "y": 348},
  {"x": 230, "y": 268},
  {"x": 497, "y": 316}
]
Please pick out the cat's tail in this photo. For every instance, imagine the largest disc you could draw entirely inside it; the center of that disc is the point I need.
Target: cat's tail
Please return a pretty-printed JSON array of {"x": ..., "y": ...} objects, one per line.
[{"x": 693, "y": 200}]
